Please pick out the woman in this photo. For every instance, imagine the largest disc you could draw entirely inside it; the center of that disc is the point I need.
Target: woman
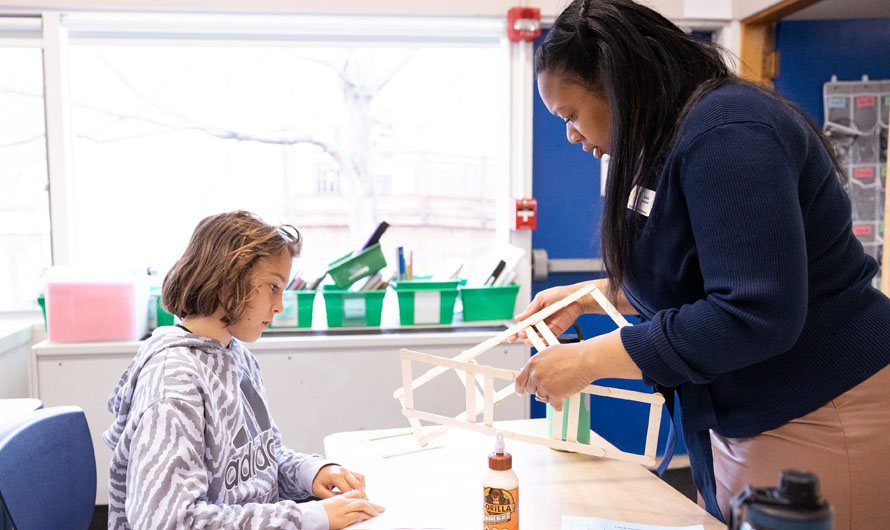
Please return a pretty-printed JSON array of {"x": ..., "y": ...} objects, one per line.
[{"x": 726, "y": 228}]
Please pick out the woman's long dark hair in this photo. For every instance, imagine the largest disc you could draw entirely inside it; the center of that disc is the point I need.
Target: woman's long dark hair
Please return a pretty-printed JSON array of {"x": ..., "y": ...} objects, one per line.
[{"x": 652, "y": 74}]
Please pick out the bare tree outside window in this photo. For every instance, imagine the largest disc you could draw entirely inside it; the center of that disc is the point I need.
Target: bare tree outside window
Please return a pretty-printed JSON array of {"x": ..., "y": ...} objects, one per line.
[{"x": 332, "y": 139}]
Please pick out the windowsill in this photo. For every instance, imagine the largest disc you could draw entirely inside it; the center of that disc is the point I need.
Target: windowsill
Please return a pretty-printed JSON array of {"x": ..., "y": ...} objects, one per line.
[
  {"x": 355, "y": 339},
  {"x": 15, "y": 332},
  {"x": 491, "y": 326}
]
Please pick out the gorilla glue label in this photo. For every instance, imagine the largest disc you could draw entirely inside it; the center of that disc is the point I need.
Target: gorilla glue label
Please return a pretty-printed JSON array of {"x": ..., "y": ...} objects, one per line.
[
  {"x": 500, "y": 509},
  {"x": 500, "y": 491}
]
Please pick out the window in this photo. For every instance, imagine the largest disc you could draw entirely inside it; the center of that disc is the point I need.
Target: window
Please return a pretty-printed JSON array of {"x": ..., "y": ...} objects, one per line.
[
  {"x": 330, "y": 136},
  {"x": 24, "y": 205}
]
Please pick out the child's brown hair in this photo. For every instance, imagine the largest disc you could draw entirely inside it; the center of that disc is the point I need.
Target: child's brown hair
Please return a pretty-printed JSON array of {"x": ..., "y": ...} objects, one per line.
[{"x": 215, "y": 269}]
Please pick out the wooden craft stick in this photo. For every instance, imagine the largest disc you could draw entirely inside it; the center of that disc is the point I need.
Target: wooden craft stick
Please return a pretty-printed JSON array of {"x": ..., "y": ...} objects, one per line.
[
  {"x": 652, "y": 431},
  {"x": 408, "y": 401},
  {"x": 497, "y": 373},
  {"x": 556, "y": 431},
  {"x": 416, "y": 427},
  {"x": 479, "y": 378},
  {"x": 469, "y": 372},
  {"x": 609, "y": 308},
  {"x": 388, "y": 436},
  {"x": 472, "y": 370},
  {"x": 471, "y": 396},
  {"x": 486, "y": 345},
  {"x": 488, "y": 415},
  {"x": 548, "y": 335},
  {"x": 530, "y": 321},
  {"x": 535, "y": 339},
  {"x": 620, "y": 393},
  {"x": 406, "y": 380},
  {"x": 572, "y": 427},
  {"x": 592, "y": 450},
  {"x": 508, "y": 390},
  {"x": 556, "y": 427},
  {"x": 442, "y": 429},
  {"x": 439, "y": 431}
]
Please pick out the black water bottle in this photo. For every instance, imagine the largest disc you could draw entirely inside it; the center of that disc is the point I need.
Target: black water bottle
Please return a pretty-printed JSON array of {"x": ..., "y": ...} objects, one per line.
[{"x": 797, "y": 503}]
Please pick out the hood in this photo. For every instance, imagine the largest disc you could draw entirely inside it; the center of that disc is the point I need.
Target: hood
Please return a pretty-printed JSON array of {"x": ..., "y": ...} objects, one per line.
[{"x": 161, "y": 339}]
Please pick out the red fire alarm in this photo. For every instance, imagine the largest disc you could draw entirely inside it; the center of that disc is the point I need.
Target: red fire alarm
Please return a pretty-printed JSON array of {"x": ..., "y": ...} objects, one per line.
[
  {"x": 523, "y": 23},
  {"x": 525, "y": 214}
]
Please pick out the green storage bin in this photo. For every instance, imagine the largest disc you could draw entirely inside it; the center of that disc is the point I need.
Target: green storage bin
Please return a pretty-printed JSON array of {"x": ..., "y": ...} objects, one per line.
[
  {"x": 352, "y": 308},
  {"x": 157, "y": 316},
  {"x": 41, "y": 300},
  {"x": 489, "y": 303},
  {"x": 426, "y": 302},
  {"x": 297, "y": 312},
  {"x": 165, "y": 318},
  {"x": 351, "y": 268}
]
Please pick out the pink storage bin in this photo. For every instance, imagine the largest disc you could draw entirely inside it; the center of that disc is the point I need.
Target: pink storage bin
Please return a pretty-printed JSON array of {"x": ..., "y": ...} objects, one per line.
[{"x": 93, "y": 307}]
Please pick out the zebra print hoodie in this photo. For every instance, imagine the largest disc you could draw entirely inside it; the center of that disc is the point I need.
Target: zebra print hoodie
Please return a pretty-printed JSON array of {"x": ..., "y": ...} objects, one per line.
[{"x": 194, "y": 446}]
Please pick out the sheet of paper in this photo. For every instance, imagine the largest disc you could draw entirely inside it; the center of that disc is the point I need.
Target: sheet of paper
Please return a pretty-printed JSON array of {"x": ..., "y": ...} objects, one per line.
[
  {"x": 353, "y": 308},
  {"x": 427, "y": 306},
  {"x": 571, "y": 522}
]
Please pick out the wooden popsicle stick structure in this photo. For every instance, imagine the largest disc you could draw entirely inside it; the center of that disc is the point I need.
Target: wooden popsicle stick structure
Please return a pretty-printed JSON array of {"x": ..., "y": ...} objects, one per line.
[{"x": 473, "y": 375}]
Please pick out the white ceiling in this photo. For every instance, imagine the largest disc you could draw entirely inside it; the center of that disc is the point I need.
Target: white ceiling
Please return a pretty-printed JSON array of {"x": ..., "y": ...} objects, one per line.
[{"x": 832, "y": 9}]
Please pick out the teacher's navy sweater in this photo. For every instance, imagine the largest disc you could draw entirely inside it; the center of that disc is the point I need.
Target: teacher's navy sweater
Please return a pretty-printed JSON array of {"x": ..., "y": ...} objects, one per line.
[{"x": 756, "y": 297}]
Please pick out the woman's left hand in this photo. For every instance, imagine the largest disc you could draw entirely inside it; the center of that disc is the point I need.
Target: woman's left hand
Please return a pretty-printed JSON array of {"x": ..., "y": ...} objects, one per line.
[
  {"x": 563, "y": 370},
  {"x": 333, "y": 477},
  {"x": 556, "y": 373}
]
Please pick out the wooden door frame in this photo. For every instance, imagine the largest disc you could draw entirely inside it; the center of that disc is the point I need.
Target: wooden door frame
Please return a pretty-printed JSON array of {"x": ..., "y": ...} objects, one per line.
[{"x": 759, "y": 58}]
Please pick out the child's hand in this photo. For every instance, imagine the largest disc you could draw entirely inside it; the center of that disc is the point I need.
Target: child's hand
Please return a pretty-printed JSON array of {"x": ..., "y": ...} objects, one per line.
[
  {"x": 348, "y": 508},
  {"x": 333, "y": 477}
]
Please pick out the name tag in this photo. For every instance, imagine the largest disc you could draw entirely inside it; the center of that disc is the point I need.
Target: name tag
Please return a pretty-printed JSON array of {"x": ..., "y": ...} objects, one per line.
[{"x": 647, "y": 199}]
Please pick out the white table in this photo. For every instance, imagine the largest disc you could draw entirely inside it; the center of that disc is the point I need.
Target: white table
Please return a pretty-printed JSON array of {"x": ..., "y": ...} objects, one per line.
[
  {"x": 441, "y": 487},
  {"x": 13, "y": 408}
]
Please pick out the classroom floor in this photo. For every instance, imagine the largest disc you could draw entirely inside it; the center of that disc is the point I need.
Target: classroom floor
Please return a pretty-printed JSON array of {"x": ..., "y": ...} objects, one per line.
[
  {"x": 681, "y": 479},
  {"x": 100, "y": 518},
  {"x": 678, "y": 477}
]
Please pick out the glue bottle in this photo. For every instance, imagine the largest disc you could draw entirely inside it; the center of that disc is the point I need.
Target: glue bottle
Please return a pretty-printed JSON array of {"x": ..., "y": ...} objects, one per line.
[{"x": 500, "y": 490}]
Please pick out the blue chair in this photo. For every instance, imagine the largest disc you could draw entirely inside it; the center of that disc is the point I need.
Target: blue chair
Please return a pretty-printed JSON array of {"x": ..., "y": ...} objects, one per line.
[
  {"x": 48, "y": 470},
  {"x": 10, "y": 409}
]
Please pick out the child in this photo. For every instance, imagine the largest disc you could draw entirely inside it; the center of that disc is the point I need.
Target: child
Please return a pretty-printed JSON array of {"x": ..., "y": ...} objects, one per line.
[{"x": 194, "y": 445}]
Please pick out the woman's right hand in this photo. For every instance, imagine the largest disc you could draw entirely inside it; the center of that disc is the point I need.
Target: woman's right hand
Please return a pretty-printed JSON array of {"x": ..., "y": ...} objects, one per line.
[
  {"x": 557, "y": 322},
  {"x": 345, "y": 509}
]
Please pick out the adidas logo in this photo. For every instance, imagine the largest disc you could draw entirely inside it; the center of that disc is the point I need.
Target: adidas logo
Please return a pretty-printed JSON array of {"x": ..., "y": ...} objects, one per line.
[{"x": 246, "y": 467}]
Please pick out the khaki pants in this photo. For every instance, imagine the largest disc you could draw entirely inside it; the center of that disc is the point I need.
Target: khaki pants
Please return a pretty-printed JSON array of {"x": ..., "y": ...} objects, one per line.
[{"x": 846, "y": 443}]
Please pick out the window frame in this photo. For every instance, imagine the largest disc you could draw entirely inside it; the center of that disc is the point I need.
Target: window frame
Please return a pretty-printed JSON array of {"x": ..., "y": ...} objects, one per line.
[
  {"x": 23, "y": 30},
  {"x": 58, "y": 29}
]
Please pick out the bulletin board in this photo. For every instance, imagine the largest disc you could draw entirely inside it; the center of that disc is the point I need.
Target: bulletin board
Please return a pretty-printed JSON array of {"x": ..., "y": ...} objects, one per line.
[{"x": 856, "y": 119}]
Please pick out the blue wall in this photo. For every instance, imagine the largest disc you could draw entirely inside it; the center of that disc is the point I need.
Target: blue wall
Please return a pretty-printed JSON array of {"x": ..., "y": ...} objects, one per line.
[{"x": 811, "y": 51}]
